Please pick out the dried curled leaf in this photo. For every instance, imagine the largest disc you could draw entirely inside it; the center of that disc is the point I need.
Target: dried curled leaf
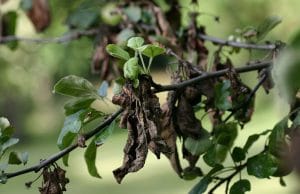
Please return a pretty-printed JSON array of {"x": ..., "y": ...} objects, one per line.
[{"x": 142, "y": 118}]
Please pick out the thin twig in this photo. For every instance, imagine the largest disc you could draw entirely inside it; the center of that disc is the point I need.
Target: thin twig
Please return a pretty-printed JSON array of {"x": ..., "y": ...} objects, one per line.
[
  {"x": 67, "y": 150},
  {"x": 60, "y": 39},
  {"x": 228, "y": 178},
  {"x": 237, "y": 44},
  {"x": 247, "y": 101},
  {"x": 209, "y": 75}
]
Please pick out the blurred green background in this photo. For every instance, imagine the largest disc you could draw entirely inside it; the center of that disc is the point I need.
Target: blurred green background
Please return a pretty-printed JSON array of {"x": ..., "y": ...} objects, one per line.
[{"x": 28, "y": 74}]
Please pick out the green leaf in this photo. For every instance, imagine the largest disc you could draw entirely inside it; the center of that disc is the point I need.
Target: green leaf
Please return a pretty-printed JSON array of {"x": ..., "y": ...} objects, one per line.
[
  {"x": 116, "y": 51},
  {"x": 238, "y": 154},
  {"x": 9, "y": 26},
  {"x": 240, "y": 187},
  {"x": 282, "y": 182},
  {"x": 252, "y": 139},
  {"x": 7, "y": 144},
  {"x": 151, "y": 50},
  {"x": 190, "y": 173},
  {"x": 198, "y": 147},
  {"x": 226, "y": 133},
  {"x": 75, "y": 86},
  {"x": 262, "y": 165},
  {"x": 104, "y": 134},
  {"x": 133, "y": 13},
  {"x": 131, "y": 69},
  {"x": 222, "y": 95},
  {"x": 135, "y": 42},
  {"x": 78, "y": 104},
  {"x": 26, "y": 5},
  {"x": 102, "y": 91},
  {"x": 215, "y": 155},
  {"x": 201, "y": 186},
  {"x": 277, "y": 136},
  {"x": 84, "y": 17},
  {"x": 18, "y": 158},
  {"x": 266, "y": 26},
  {"x": 90, "y": 159},
  {"x": 71, "y": 127}
]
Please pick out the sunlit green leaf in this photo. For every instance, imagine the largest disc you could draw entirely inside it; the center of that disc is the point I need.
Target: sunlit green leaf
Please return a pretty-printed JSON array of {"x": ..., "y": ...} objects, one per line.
[
  {"x": 135, "y": 42},
  {"x": 78, "y": 104},
  {"x": 90, "y": 159},
  {"x": 75, "y": 86},
  {"x": 131, "y": 69},
  {"x": 266, "y": 26},
  {"x": 117, "y": 51},
  {"x": 240, "y": 187},
  {"x": 4, "y": 123},
  {"x": 262, "y": 165},
  {"x": 151, "y": 50}
]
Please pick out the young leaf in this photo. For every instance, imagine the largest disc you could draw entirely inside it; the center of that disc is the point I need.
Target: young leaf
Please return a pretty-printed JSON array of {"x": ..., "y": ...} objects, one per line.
[
  {"x": 240, "y": 187},
  {"x": 73, "y": 85},
  {"x": 102, "y": 91},
  {"x": 262, "y": 165},
  {"x": 135, "y": 42},
  {"x": 18, "y": 158},
  {"x": 197, "y": 147},
  {"x": 238, "y": 154},
  {"x": 222, "y": 95},
  {"x": 151, "y": 50},
  {"x": 90, "y": 159},
  {"x": 266, "y": 26},
  {"x": 116, "y": 51},
  {"x": 78, "y": 104},
  {"x": 4, "y": 123},
  {"x": 131, "y": 69}
]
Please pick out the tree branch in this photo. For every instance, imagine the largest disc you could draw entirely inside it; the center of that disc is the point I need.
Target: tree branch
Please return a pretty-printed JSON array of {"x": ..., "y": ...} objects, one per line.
[
  {"x": 159, "y": 88},
  {"x": 237, "y": 44},
  {"x": 61, "y": 39},
  {"x": 209, "y": 75},
  {"x": 67, "y": 150}
]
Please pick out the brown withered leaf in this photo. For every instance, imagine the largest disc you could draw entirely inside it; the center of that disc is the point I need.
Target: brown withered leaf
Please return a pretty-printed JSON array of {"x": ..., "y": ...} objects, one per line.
[
  {"x": 188, "y": 124},
  {"x": 39, "y": 14},
  {"x": 142, "y": 118},
  {"x": 169, "y": 135}
]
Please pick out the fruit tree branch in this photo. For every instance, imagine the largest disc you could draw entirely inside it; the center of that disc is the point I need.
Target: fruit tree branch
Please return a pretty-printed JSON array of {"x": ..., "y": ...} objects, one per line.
[
  {"x": 60, "y": 39},
  {"x": 67, "y": 150},
  {"x": 237, "y": 44}
]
